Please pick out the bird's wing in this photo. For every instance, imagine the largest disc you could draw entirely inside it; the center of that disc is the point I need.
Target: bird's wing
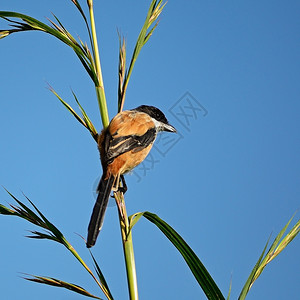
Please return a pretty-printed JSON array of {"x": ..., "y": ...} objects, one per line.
[{"x": 116, "y": 146}]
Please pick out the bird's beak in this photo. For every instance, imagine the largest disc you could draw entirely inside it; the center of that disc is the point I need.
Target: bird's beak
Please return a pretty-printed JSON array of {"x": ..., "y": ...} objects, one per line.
[{"x": 170, "y": 128}]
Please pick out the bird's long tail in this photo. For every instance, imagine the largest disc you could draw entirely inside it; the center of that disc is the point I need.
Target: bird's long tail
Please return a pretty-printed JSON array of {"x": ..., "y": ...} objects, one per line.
[{"x": 96, "y": 222}]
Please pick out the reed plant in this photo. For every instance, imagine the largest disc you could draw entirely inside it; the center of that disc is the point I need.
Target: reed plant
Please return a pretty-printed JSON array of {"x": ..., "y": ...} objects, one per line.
[{"x": 89, "y": 56}]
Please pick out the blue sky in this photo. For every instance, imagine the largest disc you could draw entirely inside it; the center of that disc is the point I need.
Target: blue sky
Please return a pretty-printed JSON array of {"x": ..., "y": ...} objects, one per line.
[{"x": 231, "y": 179}]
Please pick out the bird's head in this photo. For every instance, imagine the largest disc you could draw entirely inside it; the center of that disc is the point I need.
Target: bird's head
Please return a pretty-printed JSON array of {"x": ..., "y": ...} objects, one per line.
[{"x": 159, "y": 119}]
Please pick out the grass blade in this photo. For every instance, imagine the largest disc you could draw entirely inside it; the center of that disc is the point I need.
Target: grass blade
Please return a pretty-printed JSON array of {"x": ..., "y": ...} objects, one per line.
[
  {"x": 101, "y": 276},
  {"x": 278, "y": 245},
  {"x": 23, "y": 212},
  {"x": 6, "y": 211},
  {"x": 69, "y": 108},
  {"x": 53, "y": 233},
  {"x": 60, "y": 33},
  {"x": 41, "y": 235},
  {"x": 87, "y": 121},
  {"x": 229, "y": 291},
  {"x": 249, "y": 281},
  {"x": 77, "y": 4},
  {"x": 133, "y": 219},
  {"x": 122, "y": 71},
  {"x": 204, "y": 279},
  {"x": 153, "y": 13},
  {"x": 62, "y": 284}
]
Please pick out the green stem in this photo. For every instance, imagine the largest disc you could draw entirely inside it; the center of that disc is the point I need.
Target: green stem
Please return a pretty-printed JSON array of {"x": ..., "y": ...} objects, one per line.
[
  {"x": 74, "y": 252},
  {"x": 127, "y": 248},
  {"x": 102, "y": 105},
  {"x": 100, "y": 87}
]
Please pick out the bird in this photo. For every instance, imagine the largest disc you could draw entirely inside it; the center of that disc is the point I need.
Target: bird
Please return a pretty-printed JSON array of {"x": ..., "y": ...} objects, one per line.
[{"x": 123, "y": 145}]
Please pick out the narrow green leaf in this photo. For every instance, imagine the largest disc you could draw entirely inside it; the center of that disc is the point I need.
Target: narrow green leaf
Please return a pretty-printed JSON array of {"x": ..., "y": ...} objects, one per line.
[
  {"x": 4, "y": 33},
  {"x": 150, "y": 33},
  {"x": 153, "y": 13},
  {"x": 101, "y": 276},
  {"x": 65, "y": 37},
  {"x": 53, "y": 234},
  {"x": 87, "y": 121},
  {"x": 287, "y": 239},
  {"x": 229, "y": 292},
  {"x": 49, "y": 225},
  {"x": 249, "y": 281},
  {"x": 279, "y": 236},
  {"x": 34, "y": 24},
  {"x": 62, "y": 284},
  {"x": 277, "y": 247},
  {"x": 274, "y": 250},
  {"x": 6, "y": 211},
  {"x": 41, "y": 235},
  {"x": 26, "y": 213},
  {"x": 204, "y": 279},
  {"x": 77, "y": 4},
  {"x": 60, "y": 28},
  {"x": 122, "y": 72},
  {"x": 64, "y": 30},
  {"x": 70, "y": 109},
  {"x": 133, "y": 219}
]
